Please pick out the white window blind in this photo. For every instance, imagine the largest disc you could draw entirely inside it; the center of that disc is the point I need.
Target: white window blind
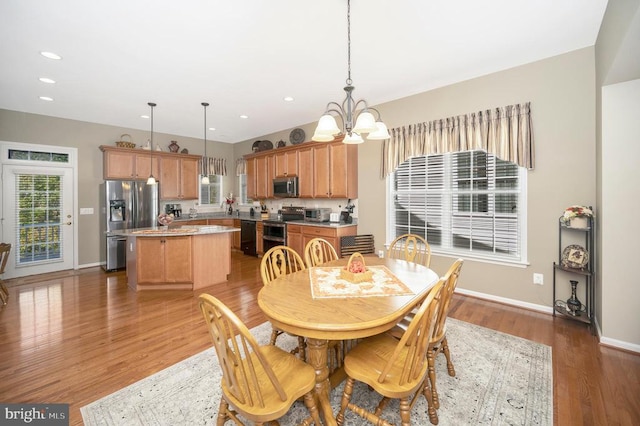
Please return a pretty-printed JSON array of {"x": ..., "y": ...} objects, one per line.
[
  {"x": 211, "y": 194},
  {"x": 465, "y": 203}
]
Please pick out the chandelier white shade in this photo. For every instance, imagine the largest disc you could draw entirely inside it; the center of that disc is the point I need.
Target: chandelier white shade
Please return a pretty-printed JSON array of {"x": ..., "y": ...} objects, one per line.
[
  {"x": 151, "y": 180},
  {"x": 348, "y": 111},
  {"x": 205, "y": 175}
]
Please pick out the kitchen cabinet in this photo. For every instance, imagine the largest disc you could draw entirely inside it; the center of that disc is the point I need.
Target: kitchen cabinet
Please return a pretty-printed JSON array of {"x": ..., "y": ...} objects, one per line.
[
  {"x": 251, "y": 179},
  {"x": 325, "y": 170},
  {"x": 128, "y": 164},
  {"x": 237, "y": 235},
  {"x": 294, "y": 238},
  {"x": 305, "y": 167},
  {"x": 259, "y": 234},
  {"x": 178, "y": 178},
  {"x": 298, "y": 236},
  {"x": 168, "y": 260},
  {"x": 264, "y": 177},
  {"x": 335, "y": 171},
  {"x": 235, "y": 240},
  {"x": 286, "y": 163}
]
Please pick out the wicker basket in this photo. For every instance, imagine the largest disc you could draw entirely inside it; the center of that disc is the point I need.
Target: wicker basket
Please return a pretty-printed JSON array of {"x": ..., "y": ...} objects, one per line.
[
  {"x": 124, "y": 143},
  {"x": 358, "y": 277}
]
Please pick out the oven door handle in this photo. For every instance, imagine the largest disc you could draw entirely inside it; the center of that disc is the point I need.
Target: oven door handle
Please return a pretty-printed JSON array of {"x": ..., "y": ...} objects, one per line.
[{"x": 270, "y": 238}]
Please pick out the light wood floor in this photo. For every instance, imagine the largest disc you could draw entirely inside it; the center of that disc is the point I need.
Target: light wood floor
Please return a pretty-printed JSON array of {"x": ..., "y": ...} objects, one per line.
[{"x": 77, "y": 336}]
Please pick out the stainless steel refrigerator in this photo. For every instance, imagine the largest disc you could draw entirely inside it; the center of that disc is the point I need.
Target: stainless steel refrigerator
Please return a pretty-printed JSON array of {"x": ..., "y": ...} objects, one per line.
[{"x": 125, "y": 205}]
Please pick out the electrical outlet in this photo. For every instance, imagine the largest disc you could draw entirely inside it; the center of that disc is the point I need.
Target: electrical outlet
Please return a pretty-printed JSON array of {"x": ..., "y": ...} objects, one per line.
[{"x": 538, "y": 279}]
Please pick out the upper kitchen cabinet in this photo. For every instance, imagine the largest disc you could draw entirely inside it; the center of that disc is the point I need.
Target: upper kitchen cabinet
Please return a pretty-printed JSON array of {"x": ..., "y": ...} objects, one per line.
[
  {"x": 324, "y": 170},
  {"x": 335, "y": 171},
  {"x": 305, "y": 166},
  {"x": 127, "y": 164},
  {"x": 264, "y": 177},
  {"x": 179, "y": 177},
  {"x": 286, "y": 164}
]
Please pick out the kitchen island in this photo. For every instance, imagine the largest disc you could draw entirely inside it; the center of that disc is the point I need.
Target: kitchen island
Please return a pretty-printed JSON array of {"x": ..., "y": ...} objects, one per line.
[{"x": 178, "y": 258}]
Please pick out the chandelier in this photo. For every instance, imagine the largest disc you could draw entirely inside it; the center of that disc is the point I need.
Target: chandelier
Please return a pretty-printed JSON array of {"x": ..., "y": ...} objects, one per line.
[
  {"x": 365, "y": 122},
  {"x": 205, "y": 160}
]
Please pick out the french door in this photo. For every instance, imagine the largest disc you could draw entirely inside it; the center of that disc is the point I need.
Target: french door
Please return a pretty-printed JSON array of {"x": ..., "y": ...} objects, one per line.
[{"x": 37, "y": 217}]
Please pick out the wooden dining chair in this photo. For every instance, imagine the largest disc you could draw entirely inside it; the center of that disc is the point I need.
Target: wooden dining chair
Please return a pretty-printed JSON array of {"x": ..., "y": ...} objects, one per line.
[
  {"x": 396, "y": 369},
  {"x": 276, "y": 262},
  {"x": 5, "y": 249},
  {"x": 410, "y": 247},
  {"x": 260, "y": 383},
  {"x": 438, "y": 343},
  {"x": 319, "y": 251}
]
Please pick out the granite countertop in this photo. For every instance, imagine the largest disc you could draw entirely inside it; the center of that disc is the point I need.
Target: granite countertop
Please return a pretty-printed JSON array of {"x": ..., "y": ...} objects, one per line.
[
  {"x": 258, "y": 218},
  {"x": 161, "y": 231}
]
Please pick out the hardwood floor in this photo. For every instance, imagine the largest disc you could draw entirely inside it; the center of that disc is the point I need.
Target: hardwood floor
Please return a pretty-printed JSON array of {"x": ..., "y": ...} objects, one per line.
[{"x": 77, "y": 336}]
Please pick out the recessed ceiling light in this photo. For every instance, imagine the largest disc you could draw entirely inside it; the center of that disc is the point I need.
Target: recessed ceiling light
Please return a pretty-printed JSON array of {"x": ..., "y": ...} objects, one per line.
[
  {"x": 288, "y": 99},
  {"x": 144, "y": 116},
  {"x": 244, "y": 116},
  {"x": 212, "y": 128},
  {"x": 46, "y": 80},
  {"x": 51, "y": 55},
  {"x": 46, "y": 98}
]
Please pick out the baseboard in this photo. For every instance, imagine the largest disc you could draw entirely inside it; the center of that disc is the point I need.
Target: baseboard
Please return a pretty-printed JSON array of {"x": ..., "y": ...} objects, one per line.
[
  {"x": 619, "y": 344},
  {"x": 506, "y": 301},
  {"x": 90, "y": 265},
  {"x": 605, "y": 341}
]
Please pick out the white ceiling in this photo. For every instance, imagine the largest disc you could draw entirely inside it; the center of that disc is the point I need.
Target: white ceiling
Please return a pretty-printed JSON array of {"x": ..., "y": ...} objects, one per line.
[{"x": 245, "y": 56}]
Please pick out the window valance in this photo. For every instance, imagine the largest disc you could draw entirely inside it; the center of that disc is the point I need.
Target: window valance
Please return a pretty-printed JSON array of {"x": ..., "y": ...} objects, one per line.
[
  {"x": 213, "y": 166},
  {"x": 505, "y": 132}
]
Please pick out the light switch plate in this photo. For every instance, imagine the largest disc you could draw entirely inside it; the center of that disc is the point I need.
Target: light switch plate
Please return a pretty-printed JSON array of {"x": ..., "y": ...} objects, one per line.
[{"x": 86, "y": 210}]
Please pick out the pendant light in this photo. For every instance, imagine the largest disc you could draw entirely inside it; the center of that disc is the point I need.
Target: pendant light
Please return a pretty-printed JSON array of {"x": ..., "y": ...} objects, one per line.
[
  {"x": 365, "y": 122},
  {"x": 151, "y": 180},
  {"x": 205, "y": 160}
]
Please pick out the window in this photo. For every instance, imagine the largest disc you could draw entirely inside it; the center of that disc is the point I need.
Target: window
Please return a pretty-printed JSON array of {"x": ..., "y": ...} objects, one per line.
[
  {"x": 242, "y": 184},
  {"x": 211, "y": 194},
  {"x": 469, "y": 204}
]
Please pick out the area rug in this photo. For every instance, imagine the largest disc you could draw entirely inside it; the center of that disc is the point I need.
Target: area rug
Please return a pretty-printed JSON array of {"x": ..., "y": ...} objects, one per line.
[{"x": 500, "y": 380}]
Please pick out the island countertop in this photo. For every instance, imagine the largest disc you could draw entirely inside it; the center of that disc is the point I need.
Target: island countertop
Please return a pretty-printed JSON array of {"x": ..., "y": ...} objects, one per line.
[{"x": 163, "y": 231}]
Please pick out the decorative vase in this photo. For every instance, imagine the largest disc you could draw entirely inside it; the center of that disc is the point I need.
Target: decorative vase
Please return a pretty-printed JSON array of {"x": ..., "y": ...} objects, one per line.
[
  {"x": 579, "y": 222},
  {"x": 174, "y": 147},
  {"x": 573, "y": 304},
  {"x": 230, "y": 211}
]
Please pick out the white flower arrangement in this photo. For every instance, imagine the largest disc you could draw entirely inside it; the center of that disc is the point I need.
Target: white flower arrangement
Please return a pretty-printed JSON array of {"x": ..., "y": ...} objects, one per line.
[{"x": 576, "y": 211}]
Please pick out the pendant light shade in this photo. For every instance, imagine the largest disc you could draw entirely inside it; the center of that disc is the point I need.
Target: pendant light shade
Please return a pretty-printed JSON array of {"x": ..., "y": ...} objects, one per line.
[
  {"x": 205, "y": 159},
  {"x": 151, "y": 180},
  {"x": 381, "y": 133}
]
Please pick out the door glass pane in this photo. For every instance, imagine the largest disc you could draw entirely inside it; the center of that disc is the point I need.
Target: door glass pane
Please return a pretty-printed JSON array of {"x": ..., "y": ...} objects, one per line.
[{"x": 39, "y": 216}]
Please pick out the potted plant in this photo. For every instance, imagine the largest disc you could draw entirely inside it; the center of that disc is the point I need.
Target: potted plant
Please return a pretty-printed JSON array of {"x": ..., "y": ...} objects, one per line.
[
  {"x": 229, "y": 201},
  {"x": 577, "y": 216}
]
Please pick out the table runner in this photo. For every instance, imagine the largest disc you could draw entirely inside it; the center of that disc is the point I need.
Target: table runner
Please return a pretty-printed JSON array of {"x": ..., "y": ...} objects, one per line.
[{"x": 326, "y": 282}]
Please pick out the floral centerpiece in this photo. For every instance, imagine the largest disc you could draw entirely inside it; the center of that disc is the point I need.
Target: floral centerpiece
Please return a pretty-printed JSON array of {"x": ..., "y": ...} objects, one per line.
[
  {"x": 229, "y": 200},
  {"x": 576, "y": 216}
]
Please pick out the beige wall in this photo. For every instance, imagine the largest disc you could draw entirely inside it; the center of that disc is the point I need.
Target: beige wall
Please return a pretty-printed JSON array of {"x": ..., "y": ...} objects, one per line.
[
  {"x": 87, "y": 137},
  {"x": 562, "y": 95}
]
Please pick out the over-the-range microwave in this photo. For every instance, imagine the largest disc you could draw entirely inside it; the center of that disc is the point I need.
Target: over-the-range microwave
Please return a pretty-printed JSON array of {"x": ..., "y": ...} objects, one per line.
[{"x": 285, "y": 187}]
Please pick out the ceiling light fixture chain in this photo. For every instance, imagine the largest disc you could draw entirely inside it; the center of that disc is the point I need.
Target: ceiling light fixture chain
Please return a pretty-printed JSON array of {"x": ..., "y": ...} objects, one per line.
[
  {"x": 205, "y": 159},
  {"x": 328, "y": 129},
  {"x": 151, "y": 180}
]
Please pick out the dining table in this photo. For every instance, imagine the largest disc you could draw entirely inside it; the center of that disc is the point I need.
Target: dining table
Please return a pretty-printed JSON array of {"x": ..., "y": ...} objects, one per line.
[{"x": 320, "y": 305}]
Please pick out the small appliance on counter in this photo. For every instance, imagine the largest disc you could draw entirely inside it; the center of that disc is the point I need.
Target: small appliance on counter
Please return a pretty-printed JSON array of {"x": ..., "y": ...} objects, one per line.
[
  {"x": 317, "y": 214},
  {"x": 175, "y": 209},
  {"x": 334, "y": 217}
]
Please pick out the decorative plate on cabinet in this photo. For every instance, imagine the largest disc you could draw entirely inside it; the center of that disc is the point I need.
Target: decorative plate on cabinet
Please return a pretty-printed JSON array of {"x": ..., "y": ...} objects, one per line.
[
  {"x": 296, "y": 136},
  {"x": 574, "y": 256},
  {"x": 265, "y": 145}
]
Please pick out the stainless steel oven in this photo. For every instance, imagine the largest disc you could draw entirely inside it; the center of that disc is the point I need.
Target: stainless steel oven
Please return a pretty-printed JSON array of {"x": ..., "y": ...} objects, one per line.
[{"x": 274, "y": 233}]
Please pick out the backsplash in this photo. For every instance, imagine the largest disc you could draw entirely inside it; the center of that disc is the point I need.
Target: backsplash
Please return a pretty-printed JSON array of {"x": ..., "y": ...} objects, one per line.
[{"x": 336, "y": 205}]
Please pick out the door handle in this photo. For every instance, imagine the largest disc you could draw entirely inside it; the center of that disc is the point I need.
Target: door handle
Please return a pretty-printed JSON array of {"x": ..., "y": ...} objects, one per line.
[{"x": 68, "y": 223}]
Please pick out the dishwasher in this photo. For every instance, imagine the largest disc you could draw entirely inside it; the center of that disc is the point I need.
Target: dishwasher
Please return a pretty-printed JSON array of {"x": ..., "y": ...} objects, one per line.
[{"x": 248, "y": 237}]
